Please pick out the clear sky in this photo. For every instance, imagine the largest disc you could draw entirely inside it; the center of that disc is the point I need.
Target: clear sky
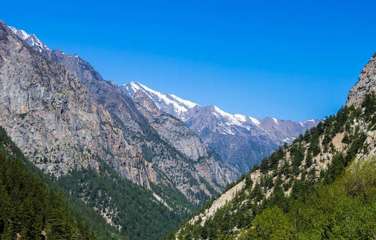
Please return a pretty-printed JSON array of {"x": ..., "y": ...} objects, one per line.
[{"x": 288, "y": 59}]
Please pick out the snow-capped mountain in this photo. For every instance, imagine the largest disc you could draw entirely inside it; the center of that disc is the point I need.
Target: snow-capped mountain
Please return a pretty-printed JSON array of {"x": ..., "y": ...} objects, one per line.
[
  {"x": 186, "y": 109},
  {"x": 168, "y": 103},
  {"x": 180, "y": 107},
  {"x": 240, "y": 140}
]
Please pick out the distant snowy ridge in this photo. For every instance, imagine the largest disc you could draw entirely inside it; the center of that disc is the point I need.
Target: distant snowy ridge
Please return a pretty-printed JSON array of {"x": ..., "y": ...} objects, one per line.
[
  {"x": 180, "y": 107},
  {"x": 241, "y": 141},
  {"x": 185, "y": 109},
  {"x": 169, "y": 103},
  {"x": 30, "y": 39}
]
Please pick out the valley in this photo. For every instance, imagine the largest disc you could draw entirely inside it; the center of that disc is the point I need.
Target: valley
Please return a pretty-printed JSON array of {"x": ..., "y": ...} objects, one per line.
[{"x": 85, "y": 157}]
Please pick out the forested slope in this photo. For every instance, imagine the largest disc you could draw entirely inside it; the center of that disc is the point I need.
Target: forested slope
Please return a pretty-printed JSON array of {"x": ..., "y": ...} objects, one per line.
[{"x": 344, "y": 209}]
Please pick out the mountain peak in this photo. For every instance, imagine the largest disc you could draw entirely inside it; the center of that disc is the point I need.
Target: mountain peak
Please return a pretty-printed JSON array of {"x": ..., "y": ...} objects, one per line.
[
  {"x": 169, "y": 103},
  {"x": 133, "y": 87},
  {"x": 31, "y": 39},
  {"x": 234, "y": 119}
]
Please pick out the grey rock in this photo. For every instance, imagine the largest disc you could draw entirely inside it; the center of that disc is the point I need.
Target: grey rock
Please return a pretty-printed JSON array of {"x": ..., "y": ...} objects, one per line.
[
  {"x": 64, "y": 116},
  {"x": 365, "y": 85}
]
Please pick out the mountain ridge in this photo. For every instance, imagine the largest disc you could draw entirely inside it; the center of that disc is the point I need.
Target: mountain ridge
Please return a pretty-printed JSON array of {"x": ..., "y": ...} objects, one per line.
[
  {"x": 240, "y": 141},
  {"x": 181, "y": 106}
]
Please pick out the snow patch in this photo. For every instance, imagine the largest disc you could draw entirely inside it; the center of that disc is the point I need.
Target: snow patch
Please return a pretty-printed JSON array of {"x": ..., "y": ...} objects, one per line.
[
  {"x": 187, "y": 103},
  {"x": 240, "y": 117},
  {"x": 30, "y": 39},
  {"x": 255, "y": 120},
  {"x": 161, "y": 100}
]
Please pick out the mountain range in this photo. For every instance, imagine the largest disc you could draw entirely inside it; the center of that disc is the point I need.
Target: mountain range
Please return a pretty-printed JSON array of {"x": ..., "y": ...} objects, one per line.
[
  {"x": 240, "y": 141},
  {"x": 141, "y": 159}
]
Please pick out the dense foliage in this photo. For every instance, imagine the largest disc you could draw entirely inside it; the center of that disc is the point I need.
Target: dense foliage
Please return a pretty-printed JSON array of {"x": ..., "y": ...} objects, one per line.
[
  {"x": 345, "y": 209},
  {"x": 29, "y": 208},
  {"x": 133, "y": 210}
]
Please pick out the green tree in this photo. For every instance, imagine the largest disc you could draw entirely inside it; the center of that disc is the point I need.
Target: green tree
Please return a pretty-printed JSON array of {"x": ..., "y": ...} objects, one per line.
[{"x": 271, "y": 224}]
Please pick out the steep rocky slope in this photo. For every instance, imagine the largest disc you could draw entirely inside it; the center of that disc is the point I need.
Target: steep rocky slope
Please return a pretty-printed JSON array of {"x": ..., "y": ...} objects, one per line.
[
  {"x": 240, "y": 141},
  {"x": 116, "y": 128},
  {"x": 177, "y": 134},
  {"x": 365, "y": 86},
  {"x": 317, "y": 157},
  {"x": 71, "y": 123}
]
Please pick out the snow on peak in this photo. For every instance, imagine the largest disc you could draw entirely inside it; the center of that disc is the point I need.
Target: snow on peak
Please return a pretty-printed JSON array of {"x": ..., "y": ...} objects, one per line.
[
  {"x": 30, "y": 39},
  {"x": 236, "y": 119},
  {"x": 255, "y": 120},
  {"x": 240, "y": 117},
  {"x": 310, "y": 120},
  {"x": 187, "y": 103},
  {"x": 179, "y": 107},
  {"x": 224, "y": 114},
  {"x": 132, "y": 87},
  {"x": 165, "y": 102}
]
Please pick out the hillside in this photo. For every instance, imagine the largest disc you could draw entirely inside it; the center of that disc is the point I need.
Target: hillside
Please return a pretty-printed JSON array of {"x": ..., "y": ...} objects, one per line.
[
  {"x": 32, "y": 207},
  {"x": 318, "y": 157},
  {"x": 344, "y": 209}
]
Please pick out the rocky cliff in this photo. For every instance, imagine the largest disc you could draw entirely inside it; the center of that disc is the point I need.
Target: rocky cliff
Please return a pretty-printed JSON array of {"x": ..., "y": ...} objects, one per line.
[{"x": 365, "y": 85}]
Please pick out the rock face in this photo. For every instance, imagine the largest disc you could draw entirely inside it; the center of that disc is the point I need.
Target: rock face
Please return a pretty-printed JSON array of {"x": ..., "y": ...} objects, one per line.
[
  {"x": 64, "y": 116},
  {"x": 45, "y": 110},
  {"x": 365, "y": 85},
  {"x": 238, "y": 146},
  {"x": 240, "y": 141}
]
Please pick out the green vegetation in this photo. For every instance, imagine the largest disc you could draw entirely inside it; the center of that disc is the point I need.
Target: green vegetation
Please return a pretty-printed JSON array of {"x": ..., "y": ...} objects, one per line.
[
  {"x": 29, "y": 208},
  {"x": 271, "y": 224},
  {"x": 345, "y": 209},
  {"x": 131, "y": 209}
]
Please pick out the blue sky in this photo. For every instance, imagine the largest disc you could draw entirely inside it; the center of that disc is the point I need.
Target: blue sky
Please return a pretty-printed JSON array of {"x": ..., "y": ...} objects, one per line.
[{"x": 289, "y": 59}]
